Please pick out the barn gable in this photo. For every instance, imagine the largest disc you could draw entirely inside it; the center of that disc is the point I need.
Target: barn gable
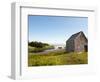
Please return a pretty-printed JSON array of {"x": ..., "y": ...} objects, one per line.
[
  {"x": 76, "y": 42},
  {"x": 73, "y": 36}
]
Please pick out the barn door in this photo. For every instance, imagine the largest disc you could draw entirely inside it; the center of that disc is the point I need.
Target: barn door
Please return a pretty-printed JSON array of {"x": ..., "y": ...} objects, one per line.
[{"x": 85, "y": 48}]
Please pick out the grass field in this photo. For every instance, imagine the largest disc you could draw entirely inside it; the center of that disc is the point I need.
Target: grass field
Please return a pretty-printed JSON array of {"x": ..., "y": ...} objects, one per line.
[{"x": 57, "y": 58}]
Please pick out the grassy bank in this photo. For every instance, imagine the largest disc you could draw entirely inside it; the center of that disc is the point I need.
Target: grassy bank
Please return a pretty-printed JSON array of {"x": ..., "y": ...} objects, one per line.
[
  {"x": 36, "y": 50},
  {"x": 57, "y": 58}
]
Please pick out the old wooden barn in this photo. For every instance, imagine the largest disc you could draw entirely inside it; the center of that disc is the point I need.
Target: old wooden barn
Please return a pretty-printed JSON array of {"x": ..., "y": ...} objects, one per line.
[{"x": 77, "y": 43}]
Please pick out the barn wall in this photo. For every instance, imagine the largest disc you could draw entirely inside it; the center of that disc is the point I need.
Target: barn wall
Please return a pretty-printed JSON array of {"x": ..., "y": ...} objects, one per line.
[
  {"x": 70, "y": 46},
  {"x": 80, "y": 42}
]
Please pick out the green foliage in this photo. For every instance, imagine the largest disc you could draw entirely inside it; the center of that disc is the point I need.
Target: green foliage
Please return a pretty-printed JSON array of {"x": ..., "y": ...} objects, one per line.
[
  {"x": 37, "y": 44},
  {"x": 49, "y": 47},
  {"x": 35, "y": 49},
  {"x": 57, "y": 58},
  {"x": 30, "y": 49}
]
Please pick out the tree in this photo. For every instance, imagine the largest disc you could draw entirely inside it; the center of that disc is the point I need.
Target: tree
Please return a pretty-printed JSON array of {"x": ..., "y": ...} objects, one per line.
[{"x": 37, "y": 44}]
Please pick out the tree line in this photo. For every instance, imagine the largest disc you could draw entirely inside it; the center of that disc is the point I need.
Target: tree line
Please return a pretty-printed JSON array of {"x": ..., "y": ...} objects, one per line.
[{"x": 37, "y": 44}]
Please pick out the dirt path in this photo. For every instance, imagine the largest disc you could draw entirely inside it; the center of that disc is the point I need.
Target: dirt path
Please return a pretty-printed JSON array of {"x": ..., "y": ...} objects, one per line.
[{"x": 47, "y": 51}]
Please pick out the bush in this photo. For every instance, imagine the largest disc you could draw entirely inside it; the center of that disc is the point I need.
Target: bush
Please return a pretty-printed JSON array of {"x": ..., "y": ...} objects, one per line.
[
  {"x": 49, "y": 47},
  {"x": 37, "y": 44},
  {"x": 38, "y": 50},
  {"x": 34, "y": 49}
]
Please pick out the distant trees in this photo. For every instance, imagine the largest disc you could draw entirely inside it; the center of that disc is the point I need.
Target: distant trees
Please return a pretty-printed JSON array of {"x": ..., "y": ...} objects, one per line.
[{"x": 37, "y": 44}]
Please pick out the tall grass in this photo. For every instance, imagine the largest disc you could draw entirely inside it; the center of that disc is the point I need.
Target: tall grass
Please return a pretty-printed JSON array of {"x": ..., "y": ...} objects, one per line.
[{"x": 57, "y": 58}]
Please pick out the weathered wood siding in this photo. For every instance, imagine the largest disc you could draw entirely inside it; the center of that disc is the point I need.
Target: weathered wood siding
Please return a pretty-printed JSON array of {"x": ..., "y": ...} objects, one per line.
[
  {"x": 77, "y": 43},
  {"x": 70, "y": 46},
  {"x": 80, "y": 43}
]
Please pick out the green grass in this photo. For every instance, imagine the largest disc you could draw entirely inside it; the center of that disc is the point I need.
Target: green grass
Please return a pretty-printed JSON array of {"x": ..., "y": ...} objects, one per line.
[
  {"x": 34, "y": 49},
  {"x": 57, "y": 58}
]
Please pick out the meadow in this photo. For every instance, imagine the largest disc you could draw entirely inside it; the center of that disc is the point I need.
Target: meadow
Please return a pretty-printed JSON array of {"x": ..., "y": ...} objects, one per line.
[{"x": 60, "y": 57}]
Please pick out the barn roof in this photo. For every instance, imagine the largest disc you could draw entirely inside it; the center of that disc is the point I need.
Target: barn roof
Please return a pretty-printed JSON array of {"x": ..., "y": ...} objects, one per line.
[{"x": 75, "y": 35}]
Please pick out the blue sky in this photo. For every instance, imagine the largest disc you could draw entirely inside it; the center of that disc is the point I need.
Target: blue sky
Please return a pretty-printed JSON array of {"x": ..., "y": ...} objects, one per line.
[{"x": 55, "y": 29}]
